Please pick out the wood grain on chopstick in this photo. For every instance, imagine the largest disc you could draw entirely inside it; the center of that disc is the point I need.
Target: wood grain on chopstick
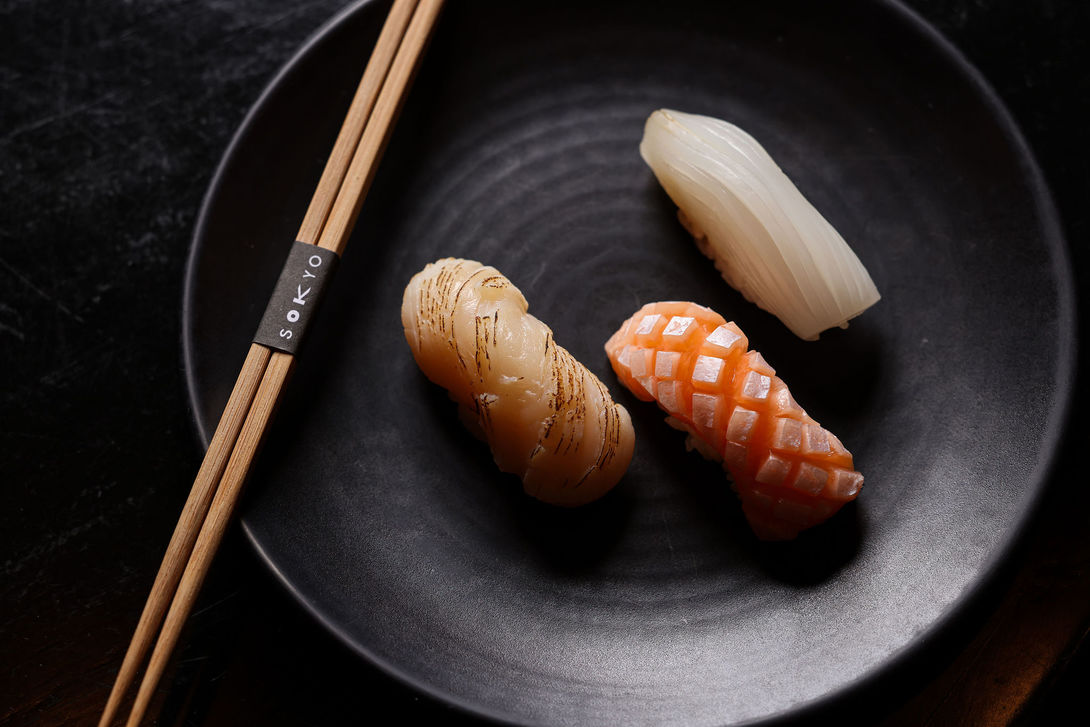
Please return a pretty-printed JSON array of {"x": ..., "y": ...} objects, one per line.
[
  {"x": 362, "y": 170},
  {"x": 215, "y": 525},
  {"x": 355, "y": 121},
  {"x": 185, "y": 532},
  {"x": 264, "y": 373}
]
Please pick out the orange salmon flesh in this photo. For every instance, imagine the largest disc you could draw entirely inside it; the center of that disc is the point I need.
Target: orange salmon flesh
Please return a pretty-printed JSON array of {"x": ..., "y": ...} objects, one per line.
[{"x": 788, "y": 471}]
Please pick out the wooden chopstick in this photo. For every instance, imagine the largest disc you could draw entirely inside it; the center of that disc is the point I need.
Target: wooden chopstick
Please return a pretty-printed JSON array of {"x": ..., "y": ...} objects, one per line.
[
  {"x": 361, "y": 171},
  {"x": 215, "y": 525},
  {"x": 355, "y": 121},
  {"x": 264, "y": 373},
  {"x": 185, "y": 532}
]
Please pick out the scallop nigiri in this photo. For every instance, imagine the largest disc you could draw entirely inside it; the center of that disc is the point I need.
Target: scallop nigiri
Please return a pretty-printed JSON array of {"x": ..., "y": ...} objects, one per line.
[
  {"x": 546, "y": 417},
  {"x": 764, "y": 237},
  {"x": 789, "y": 472}
]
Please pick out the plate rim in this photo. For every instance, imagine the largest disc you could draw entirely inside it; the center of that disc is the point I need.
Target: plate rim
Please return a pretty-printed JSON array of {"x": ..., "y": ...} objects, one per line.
[{"x": 978, "y": 592}]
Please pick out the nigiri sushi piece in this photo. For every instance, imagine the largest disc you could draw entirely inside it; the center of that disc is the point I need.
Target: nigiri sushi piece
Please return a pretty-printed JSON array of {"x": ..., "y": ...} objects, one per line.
[
  {"x": 789, "y": 472},
  {"x": 546, "y": 417},
  {"x": 764, "y": 237}
]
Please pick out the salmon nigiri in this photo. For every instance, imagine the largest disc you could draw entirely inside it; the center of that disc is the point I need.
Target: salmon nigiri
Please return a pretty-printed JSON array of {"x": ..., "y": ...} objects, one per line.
[
  {"x": 547, "y": 418},
  {"x": 789, "y": 472}
]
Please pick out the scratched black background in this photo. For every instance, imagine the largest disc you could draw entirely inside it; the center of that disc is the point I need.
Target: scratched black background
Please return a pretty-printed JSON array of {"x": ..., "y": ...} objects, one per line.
[{"x": 113, "y": 117}]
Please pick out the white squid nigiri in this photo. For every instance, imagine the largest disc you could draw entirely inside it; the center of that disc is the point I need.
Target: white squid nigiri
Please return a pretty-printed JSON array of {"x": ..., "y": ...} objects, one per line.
[
  {"x": 765, "y": 238},
  {"x": 546, "y": 417}
]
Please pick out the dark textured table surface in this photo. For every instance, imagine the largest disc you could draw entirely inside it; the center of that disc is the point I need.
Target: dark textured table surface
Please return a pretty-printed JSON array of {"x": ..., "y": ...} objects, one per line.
[{"x": 113, "y": 116}]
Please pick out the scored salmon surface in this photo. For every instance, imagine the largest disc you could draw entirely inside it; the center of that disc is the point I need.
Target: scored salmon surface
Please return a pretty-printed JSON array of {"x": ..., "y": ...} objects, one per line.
[{"x": 789, "y": 472}]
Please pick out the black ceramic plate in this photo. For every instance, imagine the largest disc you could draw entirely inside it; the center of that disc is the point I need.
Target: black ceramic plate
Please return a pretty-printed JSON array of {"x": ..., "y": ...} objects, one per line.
[{"x": 518, "y": 147}]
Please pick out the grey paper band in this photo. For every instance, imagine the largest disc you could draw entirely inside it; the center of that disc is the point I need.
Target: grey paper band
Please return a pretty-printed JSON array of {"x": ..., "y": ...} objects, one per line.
[{"x": 298, "y": 292}]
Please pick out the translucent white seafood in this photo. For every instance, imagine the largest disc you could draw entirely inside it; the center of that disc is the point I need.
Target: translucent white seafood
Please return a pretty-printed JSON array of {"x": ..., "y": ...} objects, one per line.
[
  {"x": 546, "y": 417},
  {"x": 768, "y": 242}
]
